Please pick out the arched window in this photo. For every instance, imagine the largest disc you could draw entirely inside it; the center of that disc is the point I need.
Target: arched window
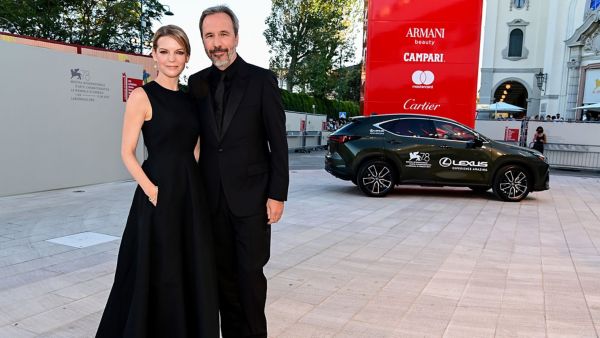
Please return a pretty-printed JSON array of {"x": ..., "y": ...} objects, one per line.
[
  {"x": 519, "y": 3},
  {"x": 515, "y": 43}
]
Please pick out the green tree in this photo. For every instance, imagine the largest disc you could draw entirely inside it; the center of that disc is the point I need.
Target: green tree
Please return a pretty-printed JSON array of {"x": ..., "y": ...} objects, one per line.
[
  {"x": 112, "y": 24},
  {"x": 347, "y": 83},
  {"x": 309, "y": 37}
]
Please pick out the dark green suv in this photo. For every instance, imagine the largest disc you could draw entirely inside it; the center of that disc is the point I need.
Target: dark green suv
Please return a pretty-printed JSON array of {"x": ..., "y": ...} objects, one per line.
[{"x": 381, "y": 151}]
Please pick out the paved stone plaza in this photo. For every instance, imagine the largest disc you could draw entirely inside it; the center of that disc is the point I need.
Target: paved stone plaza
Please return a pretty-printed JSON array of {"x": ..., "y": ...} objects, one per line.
[{"x": 423, "y": 262}]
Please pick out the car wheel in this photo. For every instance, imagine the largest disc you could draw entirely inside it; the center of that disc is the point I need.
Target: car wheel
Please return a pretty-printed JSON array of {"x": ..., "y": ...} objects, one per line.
[
  {"x": 479, "y": 189},
  {"x": 512, "y": 183},
  {"x": 376, "y": 178}
]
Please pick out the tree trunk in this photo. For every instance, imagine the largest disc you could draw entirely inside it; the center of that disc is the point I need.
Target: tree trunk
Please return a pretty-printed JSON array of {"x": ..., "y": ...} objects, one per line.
[{"x": 289, "y": 81}]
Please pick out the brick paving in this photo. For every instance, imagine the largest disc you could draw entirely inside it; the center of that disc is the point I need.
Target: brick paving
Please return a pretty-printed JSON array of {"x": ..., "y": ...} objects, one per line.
[{"x": 422, "y": 262}]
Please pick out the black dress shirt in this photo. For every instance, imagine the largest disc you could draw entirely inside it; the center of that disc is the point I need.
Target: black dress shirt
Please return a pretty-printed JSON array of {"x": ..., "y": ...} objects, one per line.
[{"x": 215, "y": 76}]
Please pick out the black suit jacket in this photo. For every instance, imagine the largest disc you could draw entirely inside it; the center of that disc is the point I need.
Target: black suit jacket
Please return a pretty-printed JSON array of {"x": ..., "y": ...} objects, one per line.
[{"x": 249, "y": 158}]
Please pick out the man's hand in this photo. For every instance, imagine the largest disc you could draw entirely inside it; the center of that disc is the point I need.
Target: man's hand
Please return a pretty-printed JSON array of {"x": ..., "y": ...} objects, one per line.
[{"x": 274, "y": 210}]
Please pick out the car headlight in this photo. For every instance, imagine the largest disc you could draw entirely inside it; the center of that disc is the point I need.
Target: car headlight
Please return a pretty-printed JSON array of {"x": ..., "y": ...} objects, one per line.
[{"x": 541, "y": 157}]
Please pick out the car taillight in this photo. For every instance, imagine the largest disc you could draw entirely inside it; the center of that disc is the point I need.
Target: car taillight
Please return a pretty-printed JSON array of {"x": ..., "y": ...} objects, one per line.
[{"x": 342, "y": 138}]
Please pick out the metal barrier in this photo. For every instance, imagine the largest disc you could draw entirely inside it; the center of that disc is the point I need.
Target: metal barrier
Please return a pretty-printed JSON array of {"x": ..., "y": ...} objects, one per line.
[
  {"x": 299, "y": 141},
  {"x": 572, "y": 156},
  {"x": 312, "y": 139},
  {"x": 294, "y": 140},
  {"x": 572, "y": 144}
]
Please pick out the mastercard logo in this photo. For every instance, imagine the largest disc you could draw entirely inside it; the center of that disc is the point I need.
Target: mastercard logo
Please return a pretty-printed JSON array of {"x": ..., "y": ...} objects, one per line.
[{"x": 423, "y": 77}]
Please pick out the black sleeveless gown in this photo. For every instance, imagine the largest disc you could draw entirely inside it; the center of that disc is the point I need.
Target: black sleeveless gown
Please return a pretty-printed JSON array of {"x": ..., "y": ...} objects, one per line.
[
  {"x": 165, "y": 283},
  {"x": 538, "y": 143}
]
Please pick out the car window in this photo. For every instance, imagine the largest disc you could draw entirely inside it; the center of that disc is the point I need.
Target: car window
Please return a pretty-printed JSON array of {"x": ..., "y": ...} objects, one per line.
[
  {"x": 451, "y": 131},
  {"x": 410, "y": 127}
]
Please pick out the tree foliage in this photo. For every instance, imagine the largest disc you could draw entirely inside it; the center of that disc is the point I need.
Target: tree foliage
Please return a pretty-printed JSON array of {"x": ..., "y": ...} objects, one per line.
[
  {"x": 308, "y": 38},
  {"x": 111, "y": 24},
  {"x": 347, "y": 83}
]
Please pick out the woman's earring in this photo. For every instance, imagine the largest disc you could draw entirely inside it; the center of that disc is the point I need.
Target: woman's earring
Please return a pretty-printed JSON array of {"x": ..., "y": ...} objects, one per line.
[{"x": 155, "y": 66}]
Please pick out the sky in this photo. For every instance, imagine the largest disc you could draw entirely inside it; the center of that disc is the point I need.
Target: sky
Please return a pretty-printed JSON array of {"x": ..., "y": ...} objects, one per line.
[{"x": 251, "y": 14}]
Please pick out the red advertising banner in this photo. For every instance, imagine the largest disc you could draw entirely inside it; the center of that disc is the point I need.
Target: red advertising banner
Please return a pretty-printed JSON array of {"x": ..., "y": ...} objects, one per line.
[
  {"x": 422, "y": 58},
  {"x": 129, "y": 84},
  {"x": 511, "y": 134}
]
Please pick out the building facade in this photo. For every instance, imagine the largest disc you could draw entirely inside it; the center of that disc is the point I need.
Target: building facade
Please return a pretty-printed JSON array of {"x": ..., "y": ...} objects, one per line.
[{"x": 542, "y": 55}]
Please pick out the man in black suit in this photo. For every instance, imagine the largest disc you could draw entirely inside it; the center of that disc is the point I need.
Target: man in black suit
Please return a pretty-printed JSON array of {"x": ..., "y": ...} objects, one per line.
[{"x": 244, "y": 161}]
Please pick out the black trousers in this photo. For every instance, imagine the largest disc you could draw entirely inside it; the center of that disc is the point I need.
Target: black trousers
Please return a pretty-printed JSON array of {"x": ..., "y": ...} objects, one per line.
[{"x": 242, "y": 248}]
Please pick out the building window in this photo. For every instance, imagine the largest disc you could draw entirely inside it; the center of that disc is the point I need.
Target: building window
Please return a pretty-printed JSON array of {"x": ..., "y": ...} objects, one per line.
[
  {"x": 519, "y": 3},
  {"x": 515, "y": 44},
  {"x": 594, "y": 4},
  {"x": 515, "y": 49}
]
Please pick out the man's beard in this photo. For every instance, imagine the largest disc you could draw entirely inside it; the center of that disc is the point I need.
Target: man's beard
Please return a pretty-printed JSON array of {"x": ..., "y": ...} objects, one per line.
[{"x": 221, "y": 63}]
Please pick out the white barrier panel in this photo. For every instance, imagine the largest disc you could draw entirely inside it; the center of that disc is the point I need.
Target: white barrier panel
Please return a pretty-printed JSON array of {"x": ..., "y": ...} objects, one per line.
[
  {"x": 294, "y": 121},
  {"x": 497, "y": 130},
  {"x": 567, "y": 133},
  {"x": 60, "y": 119},
  {"x": 572, "y": 133}
]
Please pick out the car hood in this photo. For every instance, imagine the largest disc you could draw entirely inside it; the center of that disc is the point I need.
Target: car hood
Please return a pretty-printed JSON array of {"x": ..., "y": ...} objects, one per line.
[{"x": 513, "y": 149}]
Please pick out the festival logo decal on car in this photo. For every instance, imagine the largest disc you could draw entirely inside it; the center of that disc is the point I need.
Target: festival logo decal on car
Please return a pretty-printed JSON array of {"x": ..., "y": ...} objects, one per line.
[{"x": 418, "y": 160}]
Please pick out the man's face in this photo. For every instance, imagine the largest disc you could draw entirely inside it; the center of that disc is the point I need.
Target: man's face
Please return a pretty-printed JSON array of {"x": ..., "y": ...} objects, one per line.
[{"x": 219, "y": 39}]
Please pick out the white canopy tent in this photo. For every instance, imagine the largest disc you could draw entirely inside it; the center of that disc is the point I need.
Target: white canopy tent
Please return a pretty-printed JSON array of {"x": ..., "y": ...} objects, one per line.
[
  {"x": 501, "y": 106},
  {"x": 495, "y": 110},
  {"x": 593, "y": 106}
]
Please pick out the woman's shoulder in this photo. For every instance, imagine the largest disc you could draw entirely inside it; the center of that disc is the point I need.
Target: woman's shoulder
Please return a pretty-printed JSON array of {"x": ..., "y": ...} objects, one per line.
[{"x": 137, "y": 95}]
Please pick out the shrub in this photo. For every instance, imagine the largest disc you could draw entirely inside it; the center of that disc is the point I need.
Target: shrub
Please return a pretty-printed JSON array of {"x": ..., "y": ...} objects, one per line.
[{"x": 300, "y": 102}]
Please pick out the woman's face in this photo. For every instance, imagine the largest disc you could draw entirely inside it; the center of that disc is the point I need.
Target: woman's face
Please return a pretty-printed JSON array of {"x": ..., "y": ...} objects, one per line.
[
  {"x": 170, "y": 56},
  {"x": 540, "y": 130}
]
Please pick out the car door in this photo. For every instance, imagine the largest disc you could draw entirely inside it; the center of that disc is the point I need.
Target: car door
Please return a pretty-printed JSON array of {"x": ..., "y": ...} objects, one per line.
[
  {"x": 455, "y": 161},
  {"x": 408, "y": 142}
]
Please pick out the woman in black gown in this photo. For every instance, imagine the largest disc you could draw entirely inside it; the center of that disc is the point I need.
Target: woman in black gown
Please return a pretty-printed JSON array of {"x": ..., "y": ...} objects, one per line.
[
  {"x": 165, "y": 282},
  {"x": 539, "y": 139}
]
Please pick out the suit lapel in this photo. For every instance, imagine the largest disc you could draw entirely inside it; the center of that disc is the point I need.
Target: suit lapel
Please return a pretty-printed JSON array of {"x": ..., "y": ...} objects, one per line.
[{"x": 238, "y": 89}]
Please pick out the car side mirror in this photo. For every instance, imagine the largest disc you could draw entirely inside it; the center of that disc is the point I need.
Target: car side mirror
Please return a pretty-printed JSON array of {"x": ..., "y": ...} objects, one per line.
[{"x": 475, "y": 143}]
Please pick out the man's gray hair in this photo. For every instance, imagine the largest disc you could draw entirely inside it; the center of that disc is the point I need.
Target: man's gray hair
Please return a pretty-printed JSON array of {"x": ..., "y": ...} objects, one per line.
[{"x": 220, "y": 9}]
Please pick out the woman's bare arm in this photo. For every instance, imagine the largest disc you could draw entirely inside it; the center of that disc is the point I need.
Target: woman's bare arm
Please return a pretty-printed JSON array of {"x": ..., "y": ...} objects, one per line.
[{"x": 137, "y": 111}]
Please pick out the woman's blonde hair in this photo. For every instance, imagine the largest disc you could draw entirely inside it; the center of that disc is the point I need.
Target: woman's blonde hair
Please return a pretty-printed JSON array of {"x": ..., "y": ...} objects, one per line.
[{"x": 176, "y": 33}]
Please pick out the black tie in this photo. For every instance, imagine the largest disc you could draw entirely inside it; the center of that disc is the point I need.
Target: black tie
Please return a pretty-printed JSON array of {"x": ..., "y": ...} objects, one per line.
[{"x": 219, "y": 94}]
